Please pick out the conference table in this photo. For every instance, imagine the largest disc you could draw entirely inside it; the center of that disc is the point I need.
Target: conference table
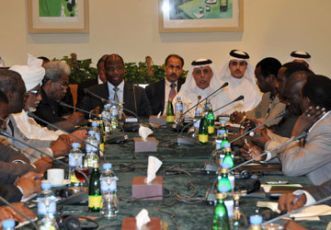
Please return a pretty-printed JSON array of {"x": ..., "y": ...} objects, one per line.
[{"x": 185, "y": 185}]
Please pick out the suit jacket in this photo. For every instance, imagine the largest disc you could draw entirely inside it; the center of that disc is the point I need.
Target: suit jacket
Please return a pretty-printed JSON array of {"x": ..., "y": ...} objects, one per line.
[
  {"x": 321, "y": 191},
  {"x": 12, "y": 164},
  {"x": 11, "y": 193},
  {"x": 134, "y": 99},
  {"x": 156, "y": 94},
  {"x": 314, "y": 158}
]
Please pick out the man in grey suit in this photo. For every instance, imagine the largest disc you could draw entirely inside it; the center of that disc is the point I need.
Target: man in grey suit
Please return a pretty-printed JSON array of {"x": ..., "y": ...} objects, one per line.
[{"x": 311, "y": 94}]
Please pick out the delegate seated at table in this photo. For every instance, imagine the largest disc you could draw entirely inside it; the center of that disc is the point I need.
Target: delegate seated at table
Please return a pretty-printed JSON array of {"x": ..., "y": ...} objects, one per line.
[{"x": 312, "y": 157}]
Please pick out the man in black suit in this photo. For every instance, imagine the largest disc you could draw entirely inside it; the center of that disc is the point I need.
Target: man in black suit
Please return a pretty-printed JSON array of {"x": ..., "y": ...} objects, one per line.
[
  {"x": 134, "y": 98},
  {"x": 161, "y": 92}
]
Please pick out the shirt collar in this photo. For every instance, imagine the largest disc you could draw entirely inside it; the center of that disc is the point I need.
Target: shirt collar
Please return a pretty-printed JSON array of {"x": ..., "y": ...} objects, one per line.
[
  {"x": 120, "y": 86},
  {"x": 168, "y": 83}
]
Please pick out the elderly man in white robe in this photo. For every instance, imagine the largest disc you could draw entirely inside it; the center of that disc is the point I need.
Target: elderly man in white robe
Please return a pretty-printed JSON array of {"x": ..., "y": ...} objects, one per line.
[
  {"x": 200, "y": 83},
  {"x": 25, "y": 128},
  {"x": 239, "y": 73}
]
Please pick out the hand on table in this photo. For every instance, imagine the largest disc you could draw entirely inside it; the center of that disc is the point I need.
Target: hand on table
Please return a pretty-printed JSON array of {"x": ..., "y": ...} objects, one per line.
[
  {"x": 60, "y": 147},
  {"x": 288, "y": 202},
  {"x": 78, "y": 135},
  {"x": 251, "y": 151},
  {"x": 291, "y": 225},
  {"x": 8, "y": 213},
  {"x": 29, "y": 183},
  {"x": 43, "y": 164}
]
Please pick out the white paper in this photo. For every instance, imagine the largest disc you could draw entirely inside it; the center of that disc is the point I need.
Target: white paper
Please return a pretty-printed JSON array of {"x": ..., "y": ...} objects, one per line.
[
  {"x": 268, "y": 204},
  {"x": 154, "y": 165},
  {"x": 312, "y": 212},
  {"x": 142, "y": 219},
  {"x": 144, "y": 132}
]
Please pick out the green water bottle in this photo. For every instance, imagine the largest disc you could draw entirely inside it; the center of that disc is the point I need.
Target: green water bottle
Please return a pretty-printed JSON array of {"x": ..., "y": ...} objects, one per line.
[
  {"x": 170, "y": 113},
  {"x": 203, "y": 131},
  {"x": 220, "y": 219},
  {"x": 227, "y": 161},
  {"x": 94, "y": 193},
  {"x": 223, "y": 183}
]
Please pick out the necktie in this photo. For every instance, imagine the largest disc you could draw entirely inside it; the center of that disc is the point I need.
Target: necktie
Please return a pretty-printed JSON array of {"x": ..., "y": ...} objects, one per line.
[
  {"x": 116, "y": 99},
  {"x": 172, "y": 92}
]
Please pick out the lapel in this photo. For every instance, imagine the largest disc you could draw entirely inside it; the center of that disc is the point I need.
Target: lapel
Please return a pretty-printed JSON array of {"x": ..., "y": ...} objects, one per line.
[{"x": 104, "y": 93}]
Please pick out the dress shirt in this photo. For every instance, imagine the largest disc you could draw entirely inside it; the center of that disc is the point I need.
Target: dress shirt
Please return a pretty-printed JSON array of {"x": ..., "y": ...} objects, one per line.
[{"x": 120, "y": 91}]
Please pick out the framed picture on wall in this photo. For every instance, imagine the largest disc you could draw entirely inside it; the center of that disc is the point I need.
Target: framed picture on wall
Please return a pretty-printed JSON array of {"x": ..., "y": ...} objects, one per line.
[
  {"x": 58, "y": 16},
  {"x": 201, "y": 15}
]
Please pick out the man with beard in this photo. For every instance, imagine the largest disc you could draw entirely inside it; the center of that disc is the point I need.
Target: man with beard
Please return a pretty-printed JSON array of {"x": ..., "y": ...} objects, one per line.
[
  {"x": 54, "y": 88},
  {"x": 25, "y": 128},
  {"x": 161, "y": 92}
]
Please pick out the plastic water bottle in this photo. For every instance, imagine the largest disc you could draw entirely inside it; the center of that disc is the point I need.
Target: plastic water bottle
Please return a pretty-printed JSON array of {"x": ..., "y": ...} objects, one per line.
[
  {"x": 179, "y": 109},
  {"x": 96, "y": 129},
  {"x": 8, "y": 224},
  {"x": 108, "y": 181},
  {"x": 256, "y": 222},
  {"x": 91, "y": 157},
  {"x": 106, "y": 118},
  {"x": 75, "y": 162},
  {"x": 114, "y": 111},
  {"x": 47, "y": 207}
]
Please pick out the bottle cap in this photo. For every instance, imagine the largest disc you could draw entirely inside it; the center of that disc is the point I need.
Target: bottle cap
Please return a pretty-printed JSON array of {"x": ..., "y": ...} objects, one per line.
[
  {"x": 221, "y": 196},
  {"x": 224, "y": 170},
  {"x": 9, "y": 223},
  {"x": 107, "y": 166},
  {"x": 91, "y": 132},
  {"x": 227, "y": 145},
  {"x": 45, "y": 185},
  {"x": 255, "y": 219},
  {"x": 75, "y": 145}
]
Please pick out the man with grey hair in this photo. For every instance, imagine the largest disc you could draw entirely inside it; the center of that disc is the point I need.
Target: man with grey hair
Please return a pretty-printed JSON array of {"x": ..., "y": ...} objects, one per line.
[{"x": 54, "y": 88}]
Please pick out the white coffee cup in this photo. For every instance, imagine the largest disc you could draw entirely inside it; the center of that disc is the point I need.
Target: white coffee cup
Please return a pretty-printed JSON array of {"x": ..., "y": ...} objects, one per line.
[{"x": 55, "y": 176}]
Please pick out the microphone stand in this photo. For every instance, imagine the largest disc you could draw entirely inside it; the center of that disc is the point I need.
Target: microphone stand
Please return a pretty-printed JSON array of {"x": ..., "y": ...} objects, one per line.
[
  {"x": 56, "y": 127},
  {"x": 199, "y": 102},
  {"x": 19, "y": 212},
  {"x": 3, "y": 133}
]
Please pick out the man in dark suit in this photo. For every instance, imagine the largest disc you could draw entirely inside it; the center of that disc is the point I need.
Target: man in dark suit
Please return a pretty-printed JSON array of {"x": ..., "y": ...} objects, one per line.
[
  {"x": 161, "y": 92},
  {"x": 116, "y": 89}
]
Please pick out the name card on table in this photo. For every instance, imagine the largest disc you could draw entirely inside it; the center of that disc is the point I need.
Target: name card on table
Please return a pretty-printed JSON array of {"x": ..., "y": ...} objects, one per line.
[{"x": 144, "y": 191}]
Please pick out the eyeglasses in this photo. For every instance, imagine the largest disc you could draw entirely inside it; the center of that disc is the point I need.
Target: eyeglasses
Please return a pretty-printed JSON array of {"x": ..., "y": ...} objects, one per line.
[{"x": 34, "y": 92}]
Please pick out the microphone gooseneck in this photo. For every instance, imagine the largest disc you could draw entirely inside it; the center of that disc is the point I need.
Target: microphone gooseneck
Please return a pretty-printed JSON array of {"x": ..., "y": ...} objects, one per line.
[
  {"x": 241, "y": 97},
  {"x": 200, "y": 101},
  {"x": 78, "y": 109},
  {"x": 19, "y": 212}
]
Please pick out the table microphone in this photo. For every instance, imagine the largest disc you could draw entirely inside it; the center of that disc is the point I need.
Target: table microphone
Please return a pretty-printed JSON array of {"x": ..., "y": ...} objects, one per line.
[
  {"x": 56, "y": 127},
  {"x": 200, "y": 101},
  {"x": 189, "y": 140},
  {"x": 104, "y": 100},
  {"x": 21, "y": 214},
  {"x": 78, "y": 109}
]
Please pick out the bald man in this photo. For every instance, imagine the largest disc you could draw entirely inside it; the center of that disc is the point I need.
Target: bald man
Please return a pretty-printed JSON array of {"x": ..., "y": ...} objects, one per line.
[{"x": 117, "y": 89}]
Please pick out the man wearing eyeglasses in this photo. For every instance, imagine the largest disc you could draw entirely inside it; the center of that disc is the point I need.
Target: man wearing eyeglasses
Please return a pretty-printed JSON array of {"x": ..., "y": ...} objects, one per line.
[
  {"x": 239, "y": 73},
  {"x": 54, "y": 88}
]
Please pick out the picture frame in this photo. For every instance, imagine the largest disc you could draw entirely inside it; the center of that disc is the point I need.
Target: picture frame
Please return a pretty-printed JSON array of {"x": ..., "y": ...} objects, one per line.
[
  {"x": 58, "y": 16},
  {"x": 201, "y": 15}
]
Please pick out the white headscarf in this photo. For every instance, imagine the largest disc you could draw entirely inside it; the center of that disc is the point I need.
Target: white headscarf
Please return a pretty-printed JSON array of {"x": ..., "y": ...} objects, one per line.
[
  {"x": 245, "y": 86},
  {"x": 189, "y": 91},
  {"x": 32, "y": 73}
]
